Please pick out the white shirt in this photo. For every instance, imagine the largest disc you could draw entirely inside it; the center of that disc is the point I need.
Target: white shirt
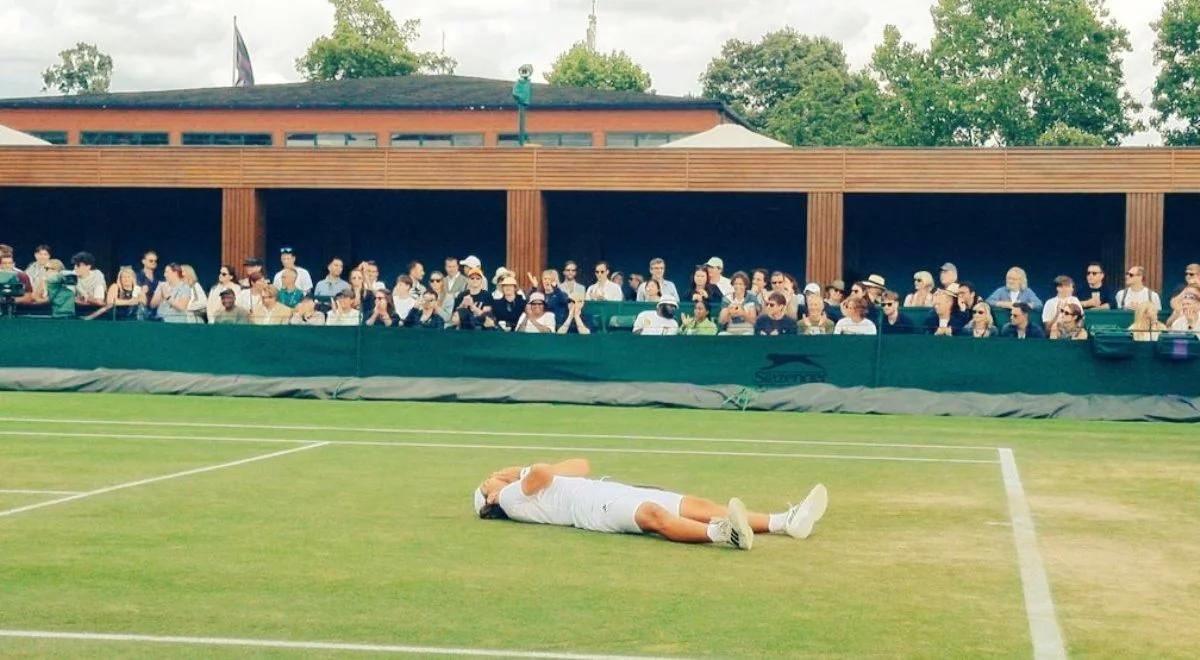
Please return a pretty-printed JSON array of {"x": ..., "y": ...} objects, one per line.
[
  {"x": 847, "y": 327},
  {"x": 247, "y": 300},
  {"x": 1181, "y": 325},
  {"x": 567, "y": 501},
  {"x": 650, "y": 323},
  {"x": 571, "y": 287},
  {"x": 403, "y": 305},
  {"x": 338, "y": 317},
  {"x": 546, "y": 319},
  {"x": 91, "y": 286},
  {"x": 606, "y": 290},
  {"x": 1050, "y": 310},
  {"x": 665, "y": 287},
  {"x": 725, "y": 285},
  {"x": 1130, "y": 299},
  {"x": 303, "y": 279}
]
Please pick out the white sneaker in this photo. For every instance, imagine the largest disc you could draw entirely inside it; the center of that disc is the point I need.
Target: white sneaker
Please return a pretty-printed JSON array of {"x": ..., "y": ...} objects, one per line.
[
  {"x": 741, "y": 533},
  {"x": 802, "y": 517}
]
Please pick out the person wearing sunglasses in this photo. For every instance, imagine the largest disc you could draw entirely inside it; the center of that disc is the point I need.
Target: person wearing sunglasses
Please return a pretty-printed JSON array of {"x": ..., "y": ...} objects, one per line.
[
  {"x": 774, "y": 319},
  {"x": 1191, "y": 277},
  {"x": 1069, "y": 325},
  {"x": 895, "y": 323},
  {"x": 981, "y": 324},
  {"x": 1096, "y": 295},
  {"x": 1188, "y": 317},
  {"x": 1020, "y": 325},
  {"x": 1064, "y": 288},
  {"x": 226, "y": 281},
  {"x": 148, "y": 277},
  {"x": 536, "y": 319},
  {"x": 1136, "y": 292},
  {"x": 604, "y": 289}
]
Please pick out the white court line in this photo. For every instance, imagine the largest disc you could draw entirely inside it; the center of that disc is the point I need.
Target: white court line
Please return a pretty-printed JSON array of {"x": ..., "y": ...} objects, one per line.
[
  {"x": 1039, "y": 607},
  {"x": 25, "y": 491},
  {"x": 151, "y": 480},
  {"x": 309, "y": 646},
  {"x": 510, "y": 434},
  {"x": 438, "y": 445}
]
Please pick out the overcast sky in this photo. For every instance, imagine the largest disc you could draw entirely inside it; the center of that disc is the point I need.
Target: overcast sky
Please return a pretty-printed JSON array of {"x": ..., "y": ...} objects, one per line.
[{"x": 172, "y": 44}]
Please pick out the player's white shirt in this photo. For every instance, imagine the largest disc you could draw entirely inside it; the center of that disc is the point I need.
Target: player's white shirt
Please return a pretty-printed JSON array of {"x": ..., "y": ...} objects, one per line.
[{"x": 602, "y": 506}]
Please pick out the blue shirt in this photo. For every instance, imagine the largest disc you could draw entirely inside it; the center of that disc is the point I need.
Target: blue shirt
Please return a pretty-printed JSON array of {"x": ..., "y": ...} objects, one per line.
[{"x": 1026, "y": 296}]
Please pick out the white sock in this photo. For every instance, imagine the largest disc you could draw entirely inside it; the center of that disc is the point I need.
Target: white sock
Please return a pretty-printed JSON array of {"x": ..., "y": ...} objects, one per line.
[
  {"x": 776, "y": 522},
  {"x": 712, "y": 532}
]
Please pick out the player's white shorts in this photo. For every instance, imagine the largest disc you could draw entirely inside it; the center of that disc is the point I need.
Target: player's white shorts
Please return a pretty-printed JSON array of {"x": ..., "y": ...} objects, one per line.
[{"x": 615, "y": 513}]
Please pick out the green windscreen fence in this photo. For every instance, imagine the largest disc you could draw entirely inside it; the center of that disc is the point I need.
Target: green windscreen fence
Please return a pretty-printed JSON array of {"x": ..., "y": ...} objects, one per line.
[{"x": 924, "y": 362}]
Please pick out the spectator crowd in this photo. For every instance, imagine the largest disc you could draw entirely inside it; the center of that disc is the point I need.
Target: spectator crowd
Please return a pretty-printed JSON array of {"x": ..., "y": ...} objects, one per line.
[{"x": 461, "y": 296}]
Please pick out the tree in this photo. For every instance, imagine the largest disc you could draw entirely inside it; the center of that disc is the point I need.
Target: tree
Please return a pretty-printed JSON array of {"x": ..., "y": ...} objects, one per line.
[
  {"x": 797, "y": 88},
  {"x": 582, "y": 67},
  {"x": 83, "y": 70},
  {"x": 1061, "y": 135},
  {"x": 1004, "y": 72},
  {"x": 367, "y": 42},
  {"x": 1176, "y": 95}
]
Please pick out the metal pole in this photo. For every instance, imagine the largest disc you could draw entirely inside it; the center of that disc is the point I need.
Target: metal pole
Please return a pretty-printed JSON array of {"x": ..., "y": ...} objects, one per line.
[
  {"x": 235, "y": 51},
  {"x": 521, "y": 137}
]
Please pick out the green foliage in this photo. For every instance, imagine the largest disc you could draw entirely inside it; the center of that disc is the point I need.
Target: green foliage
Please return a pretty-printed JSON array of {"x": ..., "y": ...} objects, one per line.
[
  {"x": 1004, "y": 72},
  {"x": 581, "y": 67},
  {"x": 1061, "y": 135},
  {"x": 795, "y": 87},
  {"x": 83, "y": 70},
  {"x": 1177, "y": 88},
  {"x": 367, "y": 42}
]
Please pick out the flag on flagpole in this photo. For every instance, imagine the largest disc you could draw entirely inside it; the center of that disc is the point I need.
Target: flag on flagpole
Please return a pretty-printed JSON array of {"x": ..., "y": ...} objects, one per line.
[{"x": 245, "y": 71}]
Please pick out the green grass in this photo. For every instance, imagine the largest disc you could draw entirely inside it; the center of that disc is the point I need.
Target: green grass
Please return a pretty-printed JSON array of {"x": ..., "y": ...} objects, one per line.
[{"x": 377, "y": 544}]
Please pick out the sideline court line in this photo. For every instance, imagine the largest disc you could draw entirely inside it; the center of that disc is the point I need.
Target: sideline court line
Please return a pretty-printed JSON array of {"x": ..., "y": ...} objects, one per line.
[
  {"x": 1039, "y": 607},
  {"x": 484, "y": 433},
  {"x": 26, "y": 491},
  {"x": 309, "y": 646},
  {"x": 436, "y": 445},
  {"x": 151, "y": 480}
]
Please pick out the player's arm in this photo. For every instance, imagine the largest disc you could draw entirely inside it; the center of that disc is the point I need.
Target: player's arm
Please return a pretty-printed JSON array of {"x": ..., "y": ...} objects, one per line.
[
  {"x": 573, "y": 467},
  {"x": 541, "y": 475}
]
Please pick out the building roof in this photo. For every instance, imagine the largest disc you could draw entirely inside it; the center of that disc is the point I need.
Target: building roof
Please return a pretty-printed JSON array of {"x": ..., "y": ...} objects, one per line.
[
  {"x": 10, "y": 137},
  {"x": 727, "y": 136},
  {"x": 393, "y": 93}
]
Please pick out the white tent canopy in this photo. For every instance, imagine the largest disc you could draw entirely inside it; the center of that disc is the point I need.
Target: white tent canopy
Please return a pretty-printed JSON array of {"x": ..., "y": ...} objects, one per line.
[
  {"x": 726, "y": 136},
  {"x": 9, "y": 137}
]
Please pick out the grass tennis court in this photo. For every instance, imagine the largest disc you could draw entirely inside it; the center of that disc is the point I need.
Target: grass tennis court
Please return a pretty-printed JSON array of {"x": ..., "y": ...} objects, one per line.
[{"x": 205, "y": 518}]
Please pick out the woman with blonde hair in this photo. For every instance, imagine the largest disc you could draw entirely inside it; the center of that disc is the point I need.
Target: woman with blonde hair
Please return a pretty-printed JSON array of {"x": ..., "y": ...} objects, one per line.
[
  {"x": 922, "y": 295},
  {"x": 1146, "y": 326},
  {"x": 981, "y": 324},
  {"x": 1015, "y": 290},
  {"x": 124, "y": 297},
  {"x": 199, "y": 304}
]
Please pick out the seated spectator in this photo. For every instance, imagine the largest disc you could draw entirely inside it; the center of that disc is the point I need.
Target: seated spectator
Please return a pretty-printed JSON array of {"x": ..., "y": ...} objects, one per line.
[
  {"x": 740, "y": 307},
  {"x": 489, "y": 323},
  {"x": 227, "y": 310},
  {"x": 968, "y": 299},
  {"x": 371, "y": 279},
  {"x": 855, "y": 322},
  {"x": 948, "y": 274},
  {"x": 701, "y": 289},
  {"x": 716, "y": 267},
  {"x": 1191, "y": 277},
  {"x": 922, "y": 295},
  {"x": 429, "y": 314},
  {"x": 1069, "y": 324},
  {"x": 604, "y": 289},
  {"x": 287, "y": 261},
  {"x": 556, "y": 299},
  {"x": 198, "y": 307},
  {"x": 1188, "y": 316},
  {"x": 650, "y": 292},
  {"x": 944, "y": 320},
  {"x": 660, "y": 320},
  {"x": 172, "y": 299},
  {"x": 306, "y": 312},
  {"x": 816, "y": 320},
  {"x": 290, "y": 293},
  {"x": 1015, "y": 290},
  {"x": 759, "y": 277},
  {"x": 90, "y": 289},
  {"x": 634, "y": 284},
  {"x": 1136, "y": 292},
  {"x": 981, "y": 324},
  {"x": 125, "y": 298},
  {"x": 536, "y": 319},
  {"x": 507, "y": 309},
  {"x": 895, "y": 323},
  {"x": 873, "y": 286},
  {"x": 147, "y": 277},
  {"x": 860, "y": 290},
  {"x": 403, "y": 300},
  {"x": 774, "y": 319},
  {"x": 570, "y": 284},
  {"x": 700, "y": 324},
  {"x": 381, "y": 311},
  {"x": 474, "y": 301},
  {"x": 1146, "y": 326},
  {"x": 1064, "y": 288},
  {"x": 330, "y": 285},
  {"x": 501, "y": 273},
  {"x": 455, "y": 281},
  {"x": 835, "y": 293},
  {"x": 58, "y": 292},
  {"x": 1020, "y": 325},
  {"x": 224, "y": 281},
  {"x": 36, "y": 270},
  {"x": 416, "y": 273},
  {"x": 658, "y": 273},
  {"x": 445, "y": 300},
  {"x": 250, "y": 297},
  {"x": 1097, "y": 294},
  {"x": 576, "y": 323},
  {"x": 782, "y": 284},
  {"x": 343, "y": 312},
  {"x": 271, "y": 311},
  {"x": 8, "y": 264},
  {"x": 251, "y": 266}
]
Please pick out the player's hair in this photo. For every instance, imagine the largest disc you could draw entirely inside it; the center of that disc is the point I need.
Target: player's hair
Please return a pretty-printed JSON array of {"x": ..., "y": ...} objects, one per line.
[{"x": 493, "y": 512}]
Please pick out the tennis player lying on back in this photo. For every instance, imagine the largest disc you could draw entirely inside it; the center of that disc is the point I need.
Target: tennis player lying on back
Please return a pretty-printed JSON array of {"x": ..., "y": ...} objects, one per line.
[{"x": 561, "y": 494}]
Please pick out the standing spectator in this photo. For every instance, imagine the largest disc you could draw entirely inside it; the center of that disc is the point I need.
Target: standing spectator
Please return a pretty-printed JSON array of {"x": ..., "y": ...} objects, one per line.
[
  {"x": 715, "y": 266},
  {"x": 227, "y": 311},
  {"x": 1188, "y": 316},
  {"x": 250, "y": 298},
  {"x": 556, "y": 300},
  {"x": 429, "y": 314},
  {"x": 981, "y": 324},
  {"x": 1136, "y": 292},
  {"x": 90, "y": 289},
  {"x": 58, "y": 292},
  {"x": 895, "y": 323},
  {"x": 816, "y": 319},
  {"x": 570, "y": 283},
  {"x": 575, "y": 323},
  {"x": 37, "y": 268},
  {"x": 306, "y": 312},
  {"x": 225, "y": 281},
  {"x": 8, "y": 264},
  {"x": 1096, "y": 295},
  {"x": 967, "y": 297},
  {"x": 344, "y": 313},
  {"x": 147, "y": 277},
  {"x": 700, "y": 324},
  {"x": 1015, "y": 290},
  {"x": 702, "y": 289},
  {"x": 330, "y": 285},
  {"x": 631, "y": 287},
  {"x": 474, "y": 301},
  {"x": 1069, "y": 324},
  {"x": 287, "y": 259},
  {"x": 172, "y": 299},
  {"x": 455, "y": 282},
  {"x": 536, "y": 319},
  {"x": 445, "y": 301},
  {"x": 402, "y": 297},
  {"x": 358, "y": 288},
  {"x": 740, "y": 307},
  {"x": 1020, "y": 325},
  {"x": 198, "y": 307},
  {"x": 251, "y": 266},
  {"x": 603, "y": 289},
  {"x": 416, "y": 273},
  {"x": 658, "y": 273},
  {"x": 660, "y": 320},
  {"x": 774, "y": 319},
  {"x": 271, "y": 311},
  {"x": 948, "y": 274},
  {"x": 381, "y": 311},
  {"x": 1064, "y": 288},
  {"x": 855, "y": 322},
  {"x": 290, "y": 293},
  {"x": 509, "y": 306},
  {"x": 1191, "y": 277},
  {"x": 1146, "y": 326},
  {"x": 922, "y": 295},
  {"x": 944, "y": 319},
  {"x": 371, "y": 278},
  {"x": 652, "y": 292}
]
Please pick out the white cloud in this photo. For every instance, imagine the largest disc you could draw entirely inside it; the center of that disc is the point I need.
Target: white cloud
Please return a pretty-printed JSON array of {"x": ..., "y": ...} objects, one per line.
[{"x": 163, "y": 44}]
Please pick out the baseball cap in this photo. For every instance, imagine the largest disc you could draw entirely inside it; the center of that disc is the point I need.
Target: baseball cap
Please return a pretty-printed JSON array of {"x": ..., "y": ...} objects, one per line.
[
  {"x": 471, "y": 261},
  {"x": 252, "y": 261},
  {"x": 949, "y": 266},
  {"x": 812, "y": 287},
  {"x": 537, "y": 295},
  {"x": 715, "y": 262},
  {"x": 480, "y": 501},
  {"x": 668, "y": 299},
  {"x": 474, "y": 270}
]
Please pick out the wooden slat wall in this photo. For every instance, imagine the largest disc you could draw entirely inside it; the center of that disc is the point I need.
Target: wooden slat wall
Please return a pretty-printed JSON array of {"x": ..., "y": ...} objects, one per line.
[
  {"x": 1144, "y": 237},
  {"x": 825, "y": 232},
  {"x": 526, "y": 235},
  {"x": 243, "y": 225}
]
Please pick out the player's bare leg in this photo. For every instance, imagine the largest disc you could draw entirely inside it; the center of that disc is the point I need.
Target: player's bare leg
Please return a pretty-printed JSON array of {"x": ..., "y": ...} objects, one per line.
[
  {"x": 732, "y": 529},
  {"x": 703, "y": 510},
  {"x": 797, "y": 521}
]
